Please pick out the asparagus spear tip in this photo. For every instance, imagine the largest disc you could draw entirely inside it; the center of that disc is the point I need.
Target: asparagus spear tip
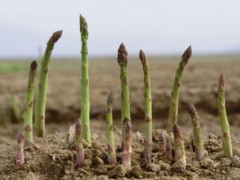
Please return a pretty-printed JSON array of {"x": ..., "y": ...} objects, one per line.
[
  {"x": 20, "y": 159},
  {"x": 122, "y": 54}
]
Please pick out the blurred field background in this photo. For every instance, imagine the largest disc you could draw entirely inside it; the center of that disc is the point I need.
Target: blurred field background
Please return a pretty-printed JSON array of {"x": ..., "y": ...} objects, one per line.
[
  {"x": 199, "y": 86},
  {"x": 163, "y": 29}
]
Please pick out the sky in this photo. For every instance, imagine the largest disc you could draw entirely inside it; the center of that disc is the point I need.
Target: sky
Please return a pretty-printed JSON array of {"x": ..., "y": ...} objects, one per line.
[{"x": 159, "y": 27}]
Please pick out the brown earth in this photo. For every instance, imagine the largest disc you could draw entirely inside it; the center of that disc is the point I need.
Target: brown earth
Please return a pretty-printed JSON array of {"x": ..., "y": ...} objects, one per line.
[
  {"x": 199, "y": 86},
  {"x": 54, "y": 158}
]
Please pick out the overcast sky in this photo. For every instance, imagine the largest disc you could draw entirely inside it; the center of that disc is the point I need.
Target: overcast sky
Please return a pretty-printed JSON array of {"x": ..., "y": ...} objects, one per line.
[{"x": 157, "y": 26}]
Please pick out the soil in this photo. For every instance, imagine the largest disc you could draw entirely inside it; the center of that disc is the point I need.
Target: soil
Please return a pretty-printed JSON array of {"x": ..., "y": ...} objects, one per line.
[{"x": 53, "y": 159}]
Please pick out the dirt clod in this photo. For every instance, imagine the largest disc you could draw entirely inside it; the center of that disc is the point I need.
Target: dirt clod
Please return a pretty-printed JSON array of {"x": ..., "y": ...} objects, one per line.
[
  {"x": 98, "y": 161},
  {"x": 178, "y": 167},
  {"x": 207, "y": 163},
  {"x": 235, "y": 161},
  {"x": 164, "y": 166},
  {"x": 226, "y": 162},
  {"x": 137, "y": 171},
  {"x": 154, "y": 167},
  {"x": 118, "y": 171}
]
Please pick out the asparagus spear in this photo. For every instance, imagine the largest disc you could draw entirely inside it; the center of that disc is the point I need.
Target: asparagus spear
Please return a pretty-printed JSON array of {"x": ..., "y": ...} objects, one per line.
[
  {"x": 199, "y": 147},
  {"x": 173, "y": 111},
  {"x": 125, "y": 101},
  {"x": 180, "y": 156},
  {"x": 227, "y": 143},
  {"x": 28, "y": 114},
  {"x": 43, "y": 83},
  {"x": 20, "y": 160},
  {"x": 125, "y": 106},
  {"x": 85, "y": 104},
  {"x": 162, "y": 144},
  {"x": 79, "y": 144},
  {"x": 148, "y": 108},
  {"x": 169, "y": 151},
  {"x": 110, "y": 134}
]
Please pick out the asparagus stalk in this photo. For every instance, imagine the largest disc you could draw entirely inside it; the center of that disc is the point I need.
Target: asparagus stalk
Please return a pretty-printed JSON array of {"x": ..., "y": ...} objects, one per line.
[
  {"x": 125, "y": 101},
  {"x": 227, "y": 143},
  {"x": 110, "y": 134},
  {"x": 162, "y": 144},
  {"x": 85, "y": 104},
  {"x": 169, "y": 151},
  {"x": 125, "y": 106},
  {"x": 199, "y": 147},
  {"x": 43, "y": 83},
  {"x": 148, "y": 108},
  {"x": 20, "y": 159},
  {"x": 127, "y": 143},
  {"x": 79, "y": 144},
  {"x": 173, "y": 111},
  {"x": 28, "y": 114},
  {"x": 180, "y": 156}
]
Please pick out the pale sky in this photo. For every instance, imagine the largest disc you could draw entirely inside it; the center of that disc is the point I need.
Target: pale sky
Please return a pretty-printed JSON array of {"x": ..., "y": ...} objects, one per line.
[{"x": 159, "y": 27}]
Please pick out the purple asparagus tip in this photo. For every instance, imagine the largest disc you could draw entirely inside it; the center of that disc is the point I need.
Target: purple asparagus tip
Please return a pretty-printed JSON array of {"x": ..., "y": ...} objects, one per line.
[
  {"x": 34, "y": 65},
  {"x": 162, "y": 144},
  {"x": 191, "y": 109},
  {"x": 20, "y": 159},
  {"x": 122, "y": 54},
  {"x": 222, "y": 80},
  {"x": 186, "y": 55},
  {"x": 83, "y": 27},
  {"x": 110, "y": 99},
  {"x": 56, "y": 36},
  {"x": 177, "y": 131},
  {"x": 142, "y": 56}
]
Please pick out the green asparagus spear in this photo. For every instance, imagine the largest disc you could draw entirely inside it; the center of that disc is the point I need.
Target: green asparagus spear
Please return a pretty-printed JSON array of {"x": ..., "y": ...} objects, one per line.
[
  {"x": 227, "y": 143},
  {"x": 85, "y": 104},
  {"x": 199, "y": 146},
  {"x": 110, "y": 134},
  {"x": 148, "y": 108},
  {"x": 173, "y": 111},
  {"x": 125, "y": 106},
  {"x": 28, "y": 114},
  {"x": 43, "y": 83}
]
